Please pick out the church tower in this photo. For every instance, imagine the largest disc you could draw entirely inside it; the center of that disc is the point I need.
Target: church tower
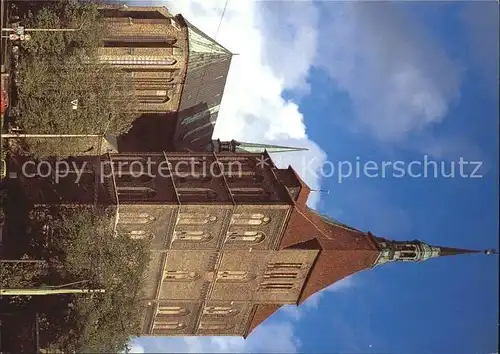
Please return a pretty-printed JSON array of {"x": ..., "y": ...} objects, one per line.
[{"x": 231, "y": 237}]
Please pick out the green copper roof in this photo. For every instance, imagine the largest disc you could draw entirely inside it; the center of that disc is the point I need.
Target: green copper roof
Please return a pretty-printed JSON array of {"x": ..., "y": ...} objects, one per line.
[
  {"x": 258, "y": 148},
  {"x": 204, "y": 50}
]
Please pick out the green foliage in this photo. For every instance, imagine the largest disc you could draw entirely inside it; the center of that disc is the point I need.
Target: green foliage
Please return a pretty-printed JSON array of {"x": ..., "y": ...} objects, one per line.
[
  {"x": 21, "y": 275},
  {"x": 84, "y": 247},
  {"x": 57, "y": 68}
]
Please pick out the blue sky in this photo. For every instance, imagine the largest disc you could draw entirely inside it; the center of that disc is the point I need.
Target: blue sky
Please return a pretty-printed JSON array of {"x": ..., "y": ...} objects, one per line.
[{"x": 382, "y": 82}]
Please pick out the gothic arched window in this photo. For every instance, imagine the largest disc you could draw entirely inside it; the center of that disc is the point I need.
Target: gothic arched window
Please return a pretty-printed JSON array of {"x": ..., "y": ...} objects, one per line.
[
  {"x": 201, "y": 193},
  {"x": 165, "y": 324},
  {"x": 410, "y": 255},
  {"x": 286, "y": 265},
  {"x": 248, "y": 191},
  {"x": 153, "y": 96},
  {"x": 136, "y": 60},
  {"x": 220, "y": 311},
  {"x": 234, "y": 276},
  {"x": 276, "y": 287},
  {"x": 245, "y": 237},
  {"x": 128, "y": 178},
  {"x": 192, "y": 236},
  {"x": 172, "y": 311},
  {"x": 216, "y": 325},
  {"x": 196, "y": 219},
  {"x": 176, "y": 275},
  {"x": 193, "y": 178},
  {"x": 136, "y": 193},
  {"x": 250, "y": 219},
  {"x": 133, "y": 218},
  {"x": 281, "y": 275},
  {"x": 137, "y": 234}
]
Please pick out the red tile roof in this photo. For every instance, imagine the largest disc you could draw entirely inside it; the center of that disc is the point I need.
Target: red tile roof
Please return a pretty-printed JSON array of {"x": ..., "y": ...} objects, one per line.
[
  {"x": 343, "y": 250},
  {"x": 261, "y": 314}
]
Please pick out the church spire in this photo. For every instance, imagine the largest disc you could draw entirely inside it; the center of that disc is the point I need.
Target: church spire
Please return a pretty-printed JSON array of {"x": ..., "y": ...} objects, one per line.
[
  {"x": 237, "y": 146},
  {"x": 417, "y": 251}
]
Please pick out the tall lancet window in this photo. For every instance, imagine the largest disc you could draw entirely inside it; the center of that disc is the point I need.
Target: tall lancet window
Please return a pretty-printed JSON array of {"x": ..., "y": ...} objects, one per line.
[
  {"x": 216, "y": 325},
  {"x": 136, "y": 60},
  {"x": 136, "y": 193},
  {"x": 196, "y": 219},
  {"x": 284, "y": 265},
  {"x": 276, "y": 287},
  {"x": 138, "y": 235},
  {"x": 172, "y": 311},
  {"x": 139, "y": 42},
  {"x": 274, "y": 274},
  {"x": 249, "y": 193},
  {"x": 250, "y": 219},
  {"x": 245, "y": 237},
  {"x": 220, "y": 311},
  {"x": 203, "y": 194},
  {"x": 153, "y": 96},
  {"x": 234, "y": 276},
  {"x": 192, "y": 236},
  {"x": 166, "y": 324},
  {"x": 180, "y": 275},
  {"x": 133, "y": 218}
]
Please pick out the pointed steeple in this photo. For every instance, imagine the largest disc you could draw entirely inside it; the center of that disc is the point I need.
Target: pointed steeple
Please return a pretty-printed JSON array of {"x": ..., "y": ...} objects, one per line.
[
  {"x": 237, "y": 146},
  {"x": 417, "y": 251},
  {"x": 204, "y": 50}
]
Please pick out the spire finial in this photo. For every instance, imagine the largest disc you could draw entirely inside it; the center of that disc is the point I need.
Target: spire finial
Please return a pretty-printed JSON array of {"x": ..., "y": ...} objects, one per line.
[
  {"x": 239, "y": 146},
  {"x": 420, "y": 251}
]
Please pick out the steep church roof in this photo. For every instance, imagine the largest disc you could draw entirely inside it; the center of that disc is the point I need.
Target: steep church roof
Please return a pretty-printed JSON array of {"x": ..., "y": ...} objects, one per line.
[
  {"x": 258, "y": 148},
  {"x": 263, "y": 312},
  {"x": 207, "y": 69},
  {"x": 343, "y": 250}
]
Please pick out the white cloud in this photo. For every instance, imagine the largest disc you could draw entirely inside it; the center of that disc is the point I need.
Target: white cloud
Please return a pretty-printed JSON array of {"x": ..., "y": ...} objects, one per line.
[
  {"x": 398, "y": 79},
  {"x": 269, "y": 338},
  {"x": 275, "y": 51},
  {"x": 312, "y": 303},
  {"x": 136, "y": 348},
  {"x": 481, "y": 21}
]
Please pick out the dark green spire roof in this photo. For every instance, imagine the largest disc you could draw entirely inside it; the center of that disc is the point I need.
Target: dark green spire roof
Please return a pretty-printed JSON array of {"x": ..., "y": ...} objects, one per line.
[{"x": 254, "y": 147}]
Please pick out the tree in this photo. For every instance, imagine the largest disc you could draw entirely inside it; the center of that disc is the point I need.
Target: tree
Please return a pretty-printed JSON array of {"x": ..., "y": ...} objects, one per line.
[
  {"x": 82, "y": 246},
  {"x": 58, "y": 69}
]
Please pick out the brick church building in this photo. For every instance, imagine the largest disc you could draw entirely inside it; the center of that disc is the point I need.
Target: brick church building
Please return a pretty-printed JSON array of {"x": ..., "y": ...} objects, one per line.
[{"x": 232, "y": 238}]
